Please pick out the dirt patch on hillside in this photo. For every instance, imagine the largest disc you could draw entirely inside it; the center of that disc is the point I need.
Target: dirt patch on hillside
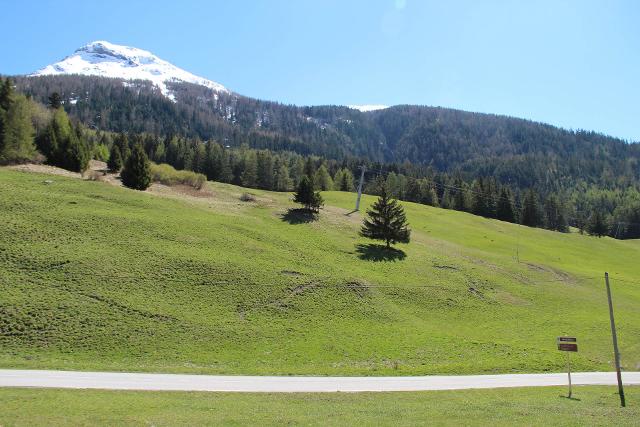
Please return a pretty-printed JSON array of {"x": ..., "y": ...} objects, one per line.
[
  {"x": 556, "y": 275},
  {"x": 180, "y": 190},
  {"x": 96, "y": 169},
  {"x": 49, "y": 170}
]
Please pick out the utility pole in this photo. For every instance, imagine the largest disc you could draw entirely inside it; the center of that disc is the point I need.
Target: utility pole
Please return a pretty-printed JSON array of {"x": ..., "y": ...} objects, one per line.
[
  {"x": 362, "y": 168},
  {"x": 616, "y": 353}
]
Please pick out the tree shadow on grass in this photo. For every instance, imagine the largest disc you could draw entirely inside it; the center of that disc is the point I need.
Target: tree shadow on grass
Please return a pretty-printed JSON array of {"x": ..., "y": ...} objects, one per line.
[
  {"x": 299, "y": 216},
  {"x": 373, "y": 252}
]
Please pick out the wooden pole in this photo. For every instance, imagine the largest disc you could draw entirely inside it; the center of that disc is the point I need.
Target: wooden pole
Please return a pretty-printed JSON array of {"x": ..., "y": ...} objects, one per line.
[
  {"x": 569, "y": 373},
  {"x": 616, "y": 353}
]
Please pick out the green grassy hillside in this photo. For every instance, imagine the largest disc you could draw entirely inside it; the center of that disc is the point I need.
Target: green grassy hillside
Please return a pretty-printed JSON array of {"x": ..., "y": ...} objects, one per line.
[
  {"x": 592, "y": 406},
  {"x": 98, "y": 277}
]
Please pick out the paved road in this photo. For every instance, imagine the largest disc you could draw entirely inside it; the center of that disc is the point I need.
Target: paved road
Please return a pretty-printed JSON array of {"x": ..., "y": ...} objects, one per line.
[{"x": 136, "y": 381}]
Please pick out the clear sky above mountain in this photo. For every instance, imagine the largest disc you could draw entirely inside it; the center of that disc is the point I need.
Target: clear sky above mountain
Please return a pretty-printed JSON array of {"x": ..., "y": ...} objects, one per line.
[{"x": 571, "y": 63}]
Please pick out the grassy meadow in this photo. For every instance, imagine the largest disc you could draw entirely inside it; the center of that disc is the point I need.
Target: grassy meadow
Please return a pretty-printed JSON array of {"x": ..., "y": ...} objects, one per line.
[
  {"x": 593, "y": 406},
  {"x": 96, "y": 277}
]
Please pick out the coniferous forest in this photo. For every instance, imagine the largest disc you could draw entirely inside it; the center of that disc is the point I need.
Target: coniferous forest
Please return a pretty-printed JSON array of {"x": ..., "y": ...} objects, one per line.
[{"x": 494, "y": 166}]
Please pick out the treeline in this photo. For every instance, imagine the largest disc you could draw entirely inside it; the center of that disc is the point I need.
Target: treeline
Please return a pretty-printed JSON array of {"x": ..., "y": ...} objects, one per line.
[
  {"x": 521, "y": 153},
  {"x": 244, "y": 166},
  {"x": 590, "y": 209}
]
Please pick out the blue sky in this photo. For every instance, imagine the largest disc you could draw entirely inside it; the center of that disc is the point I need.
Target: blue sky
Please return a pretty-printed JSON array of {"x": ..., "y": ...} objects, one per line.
[{"x": 574, "y": 64}]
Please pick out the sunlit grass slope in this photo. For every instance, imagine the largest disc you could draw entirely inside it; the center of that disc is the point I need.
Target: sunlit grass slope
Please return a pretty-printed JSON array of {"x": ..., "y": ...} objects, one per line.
[
  {"x": 98, "y": 277},
  {"x": 592, "y": 406}
]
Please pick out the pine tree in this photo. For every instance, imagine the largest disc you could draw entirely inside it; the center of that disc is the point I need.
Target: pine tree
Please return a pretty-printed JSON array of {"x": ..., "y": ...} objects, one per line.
[
  {"x": 282, "y": 180},
  {"x": 460, "y": 198},
  {"x": 554, "y": 214},
  {"x": 504, "y": 209},
  {"x": 309, "y": 168},
  {"x": 16, "y": 137},
  {"x": 122, "y": 141},
  {"x": 199, "y": 158},
  {"x": 531, "y": 215},
  {"x": 6, "y": 94},
  {"x": 160, "y": 153},
  {"x": 76, "y": 156},
  {"x": 226, "y": 170},
  {"x": 597, "y": 225},
  {"x": 307, "y": 196},
  {"x": 480, "y": 202},
  {"x": 386, "y": 220},
  {"x": 322, "y": 180},
  {"x": 296, "y": 170},
  {"x": 115, "y": 159},
  {"x": 433, "y": 197},
  {"x": 55, "y": 101},
  {"x": 447, "y": 200},
  {"x": 264, "y": 170},
  {"x": 137, "y": 170},
  {"x": 213, "y": 161},
  {"x": 250, "y": 170},
  {"x": 343, "y": 180},
  {"x": 392, "y": 185},
  {"x": 414, "y": 190},
  {"x": 428, "y": 194}
]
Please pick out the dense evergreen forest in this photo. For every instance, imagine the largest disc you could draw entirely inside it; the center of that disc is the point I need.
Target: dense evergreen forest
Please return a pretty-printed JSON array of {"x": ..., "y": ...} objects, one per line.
[{"x": 495, "y": 166}]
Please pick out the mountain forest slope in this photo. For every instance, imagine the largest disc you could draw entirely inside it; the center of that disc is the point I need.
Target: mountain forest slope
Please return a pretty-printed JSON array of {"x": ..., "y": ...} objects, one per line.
[
  {"x": 208, "y": 283},
  {"x": 515, "y": 151}
]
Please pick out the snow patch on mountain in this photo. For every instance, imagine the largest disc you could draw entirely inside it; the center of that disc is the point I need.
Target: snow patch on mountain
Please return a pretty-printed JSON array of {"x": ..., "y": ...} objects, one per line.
[
  {"x": 365, "y": 108},
  {"x": 105, "y": 59}
]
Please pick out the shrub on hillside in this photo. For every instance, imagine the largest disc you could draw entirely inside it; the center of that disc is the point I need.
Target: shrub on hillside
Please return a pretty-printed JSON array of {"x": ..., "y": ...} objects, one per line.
[
  {"x": 167, "y": 175},
  {"x": 247, "y": 197}
]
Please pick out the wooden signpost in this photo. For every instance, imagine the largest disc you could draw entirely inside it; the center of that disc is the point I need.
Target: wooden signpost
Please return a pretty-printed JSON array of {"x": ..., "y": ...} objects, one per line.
[{"x": 568, "y": 344}]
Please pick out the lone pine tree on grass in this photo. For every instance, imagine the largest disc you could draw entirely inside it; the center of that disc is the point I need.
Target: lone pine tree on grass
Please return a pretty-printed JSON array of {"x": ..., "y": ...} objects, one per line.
[
  {"x": 137, "y": 170},
  {"x": 386, "y": 221},
  {"x": 307, "y": 196}
]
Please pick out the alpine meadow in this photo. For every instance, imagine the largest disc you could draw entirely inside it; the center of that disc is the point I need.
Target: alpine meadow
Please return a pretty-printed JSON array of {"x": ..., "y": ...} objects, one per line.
[
  {"x": 320, "y": 213},
  {"x": 207, "y": 283}
]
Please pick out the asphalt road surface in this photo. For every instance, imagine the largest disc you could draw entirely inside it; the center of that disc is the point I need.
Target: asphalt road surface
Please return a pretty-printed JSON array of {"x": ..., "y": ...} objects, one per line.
[{"x": 139, "y": 381}]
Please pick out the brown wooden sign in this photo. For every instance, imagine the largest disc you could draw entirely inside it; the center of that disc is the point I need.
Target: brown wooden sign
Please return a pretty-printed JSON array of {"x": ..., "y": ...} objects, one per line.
[
  {"x": 567, "y": 346},
  {"x": 567, "y": 339}
]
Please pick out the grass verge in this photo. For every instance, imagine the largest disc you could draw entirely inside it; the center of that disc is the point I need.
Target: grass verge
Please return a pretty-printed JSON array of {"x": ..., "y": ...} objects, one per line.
[{"x": 592, "y": 406}]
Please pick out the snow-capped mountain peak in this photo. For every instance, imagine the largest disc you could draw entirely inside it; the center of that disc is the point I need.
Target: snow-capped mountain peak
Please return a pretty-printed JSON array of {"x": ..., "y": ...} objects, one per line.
[{"x": 101, "y": 58}]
